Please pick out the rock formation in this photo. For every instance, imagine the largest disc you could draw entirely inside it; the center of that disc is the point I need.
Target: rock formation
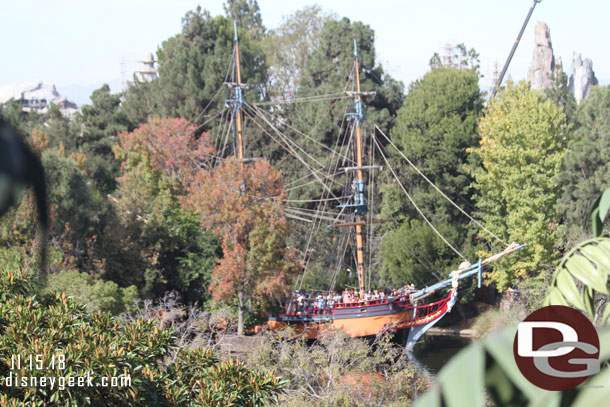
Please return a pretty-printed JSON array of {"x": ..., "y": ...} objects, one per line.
[
  {"x": 582, "y": 77},
  {"x": 543, "y": 61}
]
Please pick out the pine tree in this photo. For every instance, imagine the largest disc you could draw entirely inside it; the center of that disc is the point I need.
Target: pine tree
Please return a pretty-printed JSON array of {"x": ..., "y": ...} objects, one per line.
[{"x": 585, "y": 171}]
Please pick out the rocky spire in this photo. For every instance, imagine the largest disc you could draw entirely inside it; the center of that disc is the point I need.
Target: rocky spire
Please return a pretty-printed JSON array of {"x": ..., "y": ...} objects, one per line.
[
  {"x": 582, "y": 77},
  {"x": 543, "y": 61}
]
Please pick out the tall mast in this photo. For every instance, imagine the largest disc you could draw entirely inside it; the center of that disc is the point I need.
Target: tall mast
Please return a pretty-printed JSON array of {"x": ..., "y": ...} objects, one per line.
[
  {"x": 361, "y": 210},
  {"x": 239, "y": 99}
]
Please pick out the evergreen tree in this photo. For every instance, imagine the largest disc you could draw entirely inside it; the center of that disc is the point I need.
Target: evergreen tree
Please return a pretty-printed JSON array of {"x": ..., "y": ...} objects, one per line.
[
  {"x": 101, "y": 122},
  {"x": 434, "y": 128},
  {"x": 322, "y": 124},
  {"x": 523, "y": 138},
  {"x": 328, "y": 70},
  {"x": 586, "y": 170},
  {"x": 561, "y": 94},
  {"x": 247, "y": 15}
]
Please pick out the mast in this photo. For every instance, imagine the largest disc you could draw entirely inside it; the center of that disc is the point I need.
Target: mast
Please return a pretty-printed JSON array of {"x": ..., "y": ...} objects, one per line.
[
  {"x": 239, "y": 99},
  {"x": 359, "y": 182}
]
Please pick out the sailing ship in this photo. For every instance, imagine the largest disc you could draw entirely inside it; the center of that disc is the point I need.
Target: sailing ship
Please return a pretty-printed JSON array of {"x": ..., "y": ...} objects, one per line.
[{"x": 410, "y": 314}]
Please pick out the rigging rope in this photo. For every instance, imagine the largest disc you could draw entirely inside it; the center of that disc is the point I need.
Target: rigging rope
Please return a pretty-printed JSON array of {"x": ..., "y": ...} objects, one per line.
[
  {"x": 302, "y": 134},
  {"x": 313, "y": 98},
  {"x": 282, "y": 136},
  {"x": 294, "y": 153},
  {"x": 437, "y": 189},
  {"x": 415, "y": 205}
]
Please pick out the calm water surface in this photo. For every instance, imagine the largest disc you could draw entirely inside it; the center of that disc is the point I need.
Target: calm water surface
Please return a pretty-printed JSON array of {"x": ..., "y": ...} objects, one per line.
[{"x": 433, "y": 353}]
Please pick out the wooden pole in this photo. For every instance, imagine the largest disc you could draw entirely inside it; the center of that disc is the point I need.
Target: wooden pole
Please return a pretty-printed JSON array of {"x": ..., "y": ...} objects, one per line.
[
  {"x": 240, "y": 142},
  {"x": 359, "y": 218}
]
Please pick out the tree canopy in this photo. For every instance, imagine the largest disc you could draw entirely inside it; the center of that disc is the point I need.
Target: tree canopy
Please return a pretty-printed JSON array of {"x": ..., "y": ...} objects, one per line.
[
  {"x": 523, "y": 139},
  {"x": 585, "y": 170},
  {"x": 434, "y": 128}
]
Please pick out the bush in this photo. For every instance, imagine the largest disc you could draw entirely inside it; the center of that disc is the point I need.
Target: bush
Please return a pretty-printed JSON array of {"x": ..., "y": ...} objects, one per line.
[
  {"x": 98, "y": 345},
  {"x": 98, "y": 295},
  {"x": 339, "y": 371}
]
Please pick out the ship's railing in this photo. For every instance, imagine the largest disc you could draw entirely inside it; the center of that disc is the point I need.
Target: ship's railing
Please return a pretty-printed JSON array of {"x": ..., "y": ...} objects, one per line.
[
  {"x": 312, "y": 309},
  {"x": 424, "y": 309}
]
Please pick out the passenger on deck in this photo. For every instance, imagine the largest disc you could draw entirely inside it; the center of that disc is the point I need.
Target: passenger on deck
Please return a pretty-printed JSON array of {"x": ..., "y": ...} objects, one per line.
[{"x": 321, "y": 302}]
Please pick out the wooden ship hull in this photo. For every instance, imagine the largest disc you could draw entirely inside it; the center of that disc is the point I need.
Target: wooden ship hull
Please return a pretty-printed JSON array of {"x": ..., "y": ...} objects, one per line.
[
  {"x": 376, "y": 317},
  {"x": 367, "y": 319}
]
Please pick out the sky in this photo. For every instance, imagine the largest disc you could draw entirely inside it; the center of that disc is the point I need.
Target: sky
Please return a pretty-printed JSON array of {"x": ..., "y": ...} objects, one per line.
[{"x": 80, "y": 44}]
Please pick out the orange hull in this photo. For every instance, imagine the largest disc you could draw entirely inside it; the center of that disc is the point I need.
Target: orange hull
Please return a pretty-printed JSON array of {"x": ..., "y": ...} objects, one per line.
[
  {"x": 354, "y": 327},
  {"x": 366, "y": 325}
]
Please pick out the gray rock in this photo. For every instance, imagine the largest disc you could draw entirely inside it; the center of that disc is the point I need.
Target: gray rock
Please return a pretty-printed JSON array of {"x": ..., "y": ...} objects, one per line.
[
  {"x": 582, "y": 77},
  {"x": 543, "y": 61}
]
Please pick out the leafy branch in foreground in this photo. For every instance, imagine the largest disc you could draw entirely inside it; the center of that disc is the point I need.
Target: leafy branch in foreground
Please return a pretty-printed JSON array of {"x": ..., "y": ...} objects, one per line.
[{"x": 584, "y": 271}]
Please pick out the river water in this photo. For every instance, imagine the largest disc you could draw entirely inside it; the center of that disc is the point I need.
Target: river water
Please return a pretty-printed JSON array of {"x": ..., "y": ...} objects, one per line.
[{"x": 435, "y": 351}]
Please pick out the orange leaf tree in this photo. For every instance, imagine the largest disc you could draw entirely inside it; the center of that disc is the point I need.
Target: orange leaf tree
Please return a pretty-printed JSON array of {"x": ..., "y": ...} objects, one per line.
[{"x": 242, "y": 204}]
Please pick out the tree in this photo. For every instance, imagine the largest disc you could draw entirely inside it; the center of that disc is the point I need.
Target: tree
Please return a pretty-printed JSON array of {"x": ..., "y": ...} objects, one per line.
[
  {"x": 322, "y": 124},
  {"x": 585, "y": 170},
  {"x": 101, "y": 122},
  {"x": 466, "y": 59},
  {"x": 327, "y": 71},
  {"x": 97, "y": 294},
  {"x": 484, "y": 366},
  {"x": 247, "y": 15},
  {"x": 560, "y": 93},
  {"x": 434, "y": 128},
  {"x": 134, "y": 353},
  {"x": 242, "y": 205},
  {"x": 288, "y": 47},
  {"x": 160, "y": 160},
  {"x": 523, "y": 138},
  {"x": 193, "y": 66}
]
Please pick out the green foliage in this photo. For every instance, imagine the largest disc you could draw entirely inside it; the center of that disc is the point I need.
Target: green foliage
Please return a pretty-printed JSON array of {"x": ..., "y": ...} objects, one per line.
[
  {"x": 327, "y": 71},
  {"x": 523, "y": 139},
  {"x": 98, "y": 295},
  {"x": 413, "y": 254},
  {"x": 585, "y": 170},
  {"x": 192, "y": 67},
  {"x": 434, "y": 128},
  {"x": 176, "y": 253},
  {"x": 585, "y": 270},
  {"x": 561, "y": 94},
  {"x": 70, "y": 196},
  {"x": 289, "y": 46},
  {"x": 599, "y": 212},
  {"x": 247, "y": 15},
  {"x": 489, "y": 364},
  {"x": 581, "y": 273},
  {"x": 97, "y": 345},
  {"x": 101, "y": 123}
]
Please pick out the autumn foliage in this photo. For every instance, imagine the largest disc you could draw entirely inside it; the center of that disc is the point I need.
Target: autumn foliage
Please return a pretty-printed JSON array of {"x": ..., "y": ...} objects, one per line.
[
  {"x": 242, "y": 204},
  {"x": 165, "y": 164}
]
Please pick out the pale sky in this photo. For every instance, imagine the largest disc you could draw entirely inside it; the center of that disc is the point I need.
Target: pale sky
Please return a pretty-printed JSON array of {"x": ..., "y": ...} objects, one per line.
[{"x": 80, "y": 44}]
